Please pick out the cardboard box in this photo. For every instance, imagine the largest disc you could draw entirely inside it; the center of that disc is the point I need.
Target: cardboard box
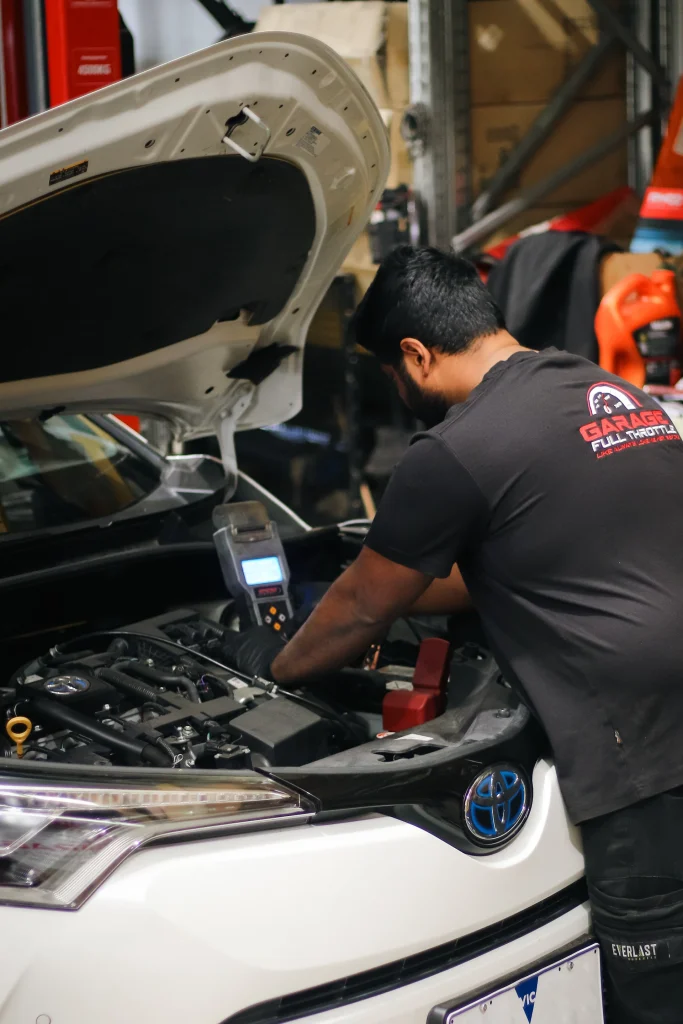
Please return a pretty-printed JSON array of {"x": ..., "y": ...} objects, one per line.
[
  {"x": 535, "y": 216},
  {"x": 372, "y": 36},
  {"x": 618, "y": 265},
  {"x": 401, "y": 170},
  {"x": 359, "y": 263},
  {"x": 497, "y": 130},
  {"x": 521, "y": 51}
]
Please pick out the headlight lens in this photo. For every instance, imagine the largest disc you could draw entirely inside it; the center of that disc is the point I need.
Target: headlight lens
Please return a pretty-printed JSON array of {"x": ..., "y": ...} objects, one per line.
[{"x": 59, "y": 842}]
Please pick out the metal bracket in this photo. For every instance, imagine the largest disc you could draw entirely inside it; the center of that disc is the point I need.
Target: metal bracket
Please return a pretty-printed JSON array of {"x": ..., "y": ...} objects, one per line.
[
  {"x": 246, "y": 114},
  {"x": 492, "y": 221},
  {"x": 616, "y": 26},
  {"x": 230, "y": 21},
  {"x": 415, "y": 126}
]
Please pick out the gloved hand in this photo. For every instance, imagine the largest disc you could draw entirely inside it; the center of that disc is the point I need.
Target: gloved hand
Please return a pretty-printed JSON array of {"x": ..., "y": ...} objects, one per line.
[
  {"x": 297, "y": 620},
  {"x": 253, "y": 651}
]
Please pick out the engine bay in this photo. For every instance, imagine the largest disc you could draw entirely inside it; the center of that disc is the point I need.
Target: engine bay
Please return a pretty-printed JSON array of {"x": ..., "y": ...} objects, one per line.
[
  {"x": 156, "y": 693},
  {"x": 161, "y": 693}
]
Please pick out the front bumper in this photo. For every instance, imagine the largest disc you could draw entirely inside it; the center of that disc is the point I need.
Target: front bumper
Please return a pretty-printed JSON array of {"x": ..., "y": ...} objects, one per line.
[{"x": 202, "y": 931}]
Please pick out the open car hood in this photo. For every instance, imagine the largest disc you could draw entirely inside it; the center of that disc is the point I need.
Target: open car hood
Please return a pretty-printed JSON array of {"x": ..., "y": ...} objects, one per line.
[{"x": 165, "y": 241}]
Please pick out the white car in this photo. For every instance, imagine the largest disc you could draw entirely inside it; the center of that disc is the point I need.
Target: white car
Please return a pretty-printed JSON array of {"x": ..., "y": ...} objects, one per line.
[{"x": 178, "y": 843}]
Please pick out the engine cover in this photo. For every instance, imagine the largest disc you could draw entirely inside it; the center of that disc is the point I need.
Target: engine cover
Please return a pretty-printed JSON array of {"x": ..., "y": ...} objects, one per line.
[{"x": 157, "y": 693}]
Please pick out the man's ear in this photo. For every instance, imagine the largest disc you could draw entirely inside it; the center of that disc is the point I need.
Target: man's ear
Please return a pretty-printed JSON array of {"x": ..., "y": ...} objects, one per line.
[{"x": 417, "y": 355}]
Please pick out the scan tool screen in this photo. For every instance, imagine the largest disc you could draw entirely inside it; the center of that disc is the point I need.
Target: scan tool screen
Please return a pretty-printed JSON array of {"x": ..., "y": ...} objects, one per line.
[{"x": 262, "y": 570}]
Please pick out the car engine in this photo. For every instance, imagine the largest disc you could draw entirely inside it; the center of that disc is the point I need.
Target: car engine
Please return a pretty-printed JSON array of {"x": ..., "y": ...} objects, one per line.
[
  {"x": 156, "y": 694},
  {"x": 160, "y": 693}
]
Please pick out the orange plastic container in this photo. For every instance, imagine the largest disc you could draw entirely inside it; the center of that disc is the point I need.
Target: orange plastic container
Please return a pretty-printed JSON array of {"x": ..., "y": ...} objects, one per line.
[{"x": 638, "y": 326}]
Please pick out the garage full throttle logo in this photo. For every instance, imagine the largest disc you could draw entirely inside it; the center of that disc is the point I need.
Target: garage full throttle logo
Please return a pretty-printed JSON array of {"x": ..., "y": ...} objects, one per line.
[{"x": 621, "y": 422}]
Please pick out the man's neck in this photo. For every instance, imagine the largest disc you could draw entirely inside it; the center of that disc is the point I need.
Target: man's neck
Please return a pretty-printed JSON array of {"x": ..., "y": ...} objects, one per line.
[{"x": 475, "y": 363}]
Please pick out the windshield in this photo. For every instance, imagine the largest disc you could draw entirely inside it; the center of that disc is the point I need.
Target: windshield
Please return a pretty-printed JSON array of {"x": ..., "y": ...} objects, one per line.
[{"x": 65, "y": 470}]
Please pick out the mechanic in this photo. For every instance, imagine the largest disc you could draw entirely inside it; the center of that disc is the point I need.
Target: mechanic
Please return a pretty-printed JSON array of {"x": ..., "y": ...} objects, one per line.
[{"x": 550, "y": 496}]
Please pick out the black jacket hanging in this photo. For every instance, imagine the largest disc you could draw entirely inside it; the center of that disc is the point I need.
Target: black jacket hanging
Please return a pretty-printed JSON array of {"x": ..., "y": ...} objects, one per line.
[{"x": 547, "y": 286}]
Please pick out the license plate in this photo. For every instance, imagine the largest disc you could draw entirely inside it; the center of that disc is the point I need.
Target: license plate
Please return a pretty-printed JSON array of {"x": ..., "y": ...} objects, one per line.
[{"x": 568, "y": 991}]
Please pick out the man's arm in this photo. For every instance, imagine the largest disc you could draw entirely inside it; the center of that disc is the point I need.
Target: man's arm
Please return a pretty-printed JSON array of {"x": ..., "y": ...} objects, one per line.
[
  {"x": 357, "y": 610},
  {"x": 444, "y": 597},
  {"x": 431, "y": 511}
]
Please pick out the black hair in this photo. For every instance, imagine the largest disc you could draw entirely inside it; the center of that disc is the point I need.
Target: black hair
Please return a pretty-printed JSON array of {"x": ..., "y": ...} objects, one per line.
[{"x": 424, "y": 293}]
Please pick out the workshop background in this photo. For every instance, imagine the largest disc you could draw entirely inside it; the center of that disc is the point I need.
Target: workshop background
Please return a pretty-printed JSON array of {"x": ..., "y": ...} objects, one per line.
[{"x": 542, "y": 138}]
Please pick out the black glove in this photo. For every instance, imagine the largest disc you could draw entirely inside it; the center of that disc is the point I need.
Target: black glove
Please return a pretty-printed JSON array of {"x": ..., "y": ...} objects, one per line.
[
  {"x": 297, "y": 620},
  {"x": 253, "y": 651}
]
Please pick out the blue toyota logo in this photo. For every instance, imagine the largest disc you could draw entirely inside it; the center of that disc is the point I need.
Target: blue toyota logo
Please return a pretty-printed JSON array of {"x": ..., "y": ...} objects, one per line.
[{"x": 496, "y": 805}]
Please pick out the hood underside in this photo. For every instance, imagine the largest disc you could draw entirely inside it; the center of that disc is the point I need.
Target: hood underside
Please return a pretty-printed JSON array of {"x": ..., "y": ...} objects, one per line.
[
  {"x": 168, "y": 239},
  {"x": 158, "y": 254}
]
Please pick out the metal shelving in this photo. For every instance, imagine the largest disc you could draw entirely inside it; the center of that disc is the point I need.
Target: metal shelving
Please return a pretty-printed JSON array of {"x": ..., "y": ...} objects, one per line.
[
  {"x": 438, "y": 129},
  {"x": 437, "y": 124}
]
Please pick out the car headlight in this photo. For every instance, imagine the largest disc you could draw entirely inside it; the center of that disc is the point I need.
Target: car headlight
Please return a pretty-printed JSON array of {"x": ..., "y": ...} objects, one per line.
[{"x": 58, "y": 842}]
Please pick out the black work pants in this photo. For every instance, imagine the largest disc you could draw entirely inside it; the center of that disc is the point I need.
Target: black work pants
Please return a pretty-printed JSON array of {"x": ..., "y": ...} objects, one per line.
[{"x": 634, "y": 870}]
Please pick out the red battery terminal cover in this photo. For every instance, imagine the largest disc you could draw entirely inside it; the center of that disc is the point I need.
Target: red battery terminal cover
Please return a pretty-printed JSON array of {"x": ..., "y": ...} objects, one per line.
[{"x": 404, "y": 709}]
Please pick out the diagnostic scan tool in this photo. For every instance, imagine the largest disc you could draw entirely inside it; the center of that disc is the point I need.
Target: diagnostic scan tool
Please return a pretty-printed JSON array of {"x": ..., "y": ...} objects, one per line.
[{"x": 253, "y": 562}]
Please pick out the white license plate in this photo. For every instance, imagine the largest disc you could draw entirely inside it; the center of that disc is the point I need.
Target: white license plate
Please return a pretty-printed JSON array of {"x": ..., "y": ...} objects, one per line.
[{"x": 566, "y": 992}]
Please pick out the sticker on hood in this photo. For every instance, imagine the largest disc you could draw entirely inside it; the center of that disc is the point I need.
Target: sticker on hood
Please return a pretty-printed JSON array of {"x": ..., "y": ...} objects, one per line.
[
  {"x": 313, "y": 142},
  {"x": 72, "y": 171}
]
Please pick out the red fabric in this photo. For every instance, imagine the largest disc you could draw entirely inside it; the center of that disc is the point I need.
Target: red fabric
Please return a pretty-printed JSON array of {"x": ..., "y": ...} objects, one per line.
[
  {"x": 14, "y": 59},
  {"x": 589, "y": 218}
]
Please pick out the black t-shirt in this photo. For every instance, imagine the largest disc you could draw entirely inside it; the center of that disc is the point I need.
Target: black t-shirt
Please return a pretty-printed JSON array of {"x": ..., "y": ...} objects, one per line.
[{"x": 558, "y": 490}]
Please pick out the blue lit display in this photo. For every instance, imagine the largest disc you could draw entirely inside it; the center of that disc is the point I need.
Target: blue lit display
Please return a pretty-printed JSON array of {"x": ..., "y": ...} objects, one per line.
[{"x": 262, "y": 570}]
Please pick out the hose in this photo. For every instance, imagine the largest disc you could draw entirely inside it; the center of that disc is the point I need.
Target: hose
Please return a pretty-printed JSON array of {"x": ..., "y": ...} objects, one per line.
[
  {"x": 109, "y": 737},
  {"x": 52, "y": 660},
  {"x": 143, "y": 691},
  {"x": 219, "y": 684},
  {"x": 133, "y": 686},
  {"x": 163, "y": 642},
  {"x": 118, "y": 648},
  {"x": 159, "y": 741},
  {"x": 163, "y": 745},
  {"x": 310, "y": 703},
  {"x": 163, "y": 678}
]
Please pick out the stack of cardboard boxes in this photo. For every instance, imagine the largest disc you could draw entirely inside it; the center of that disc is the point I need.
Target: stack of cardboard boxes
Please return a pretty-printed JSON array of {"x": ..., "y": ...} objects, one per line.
[
  {"x": 521, "y": 51},
  {"x": 371, "y": 36}
]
